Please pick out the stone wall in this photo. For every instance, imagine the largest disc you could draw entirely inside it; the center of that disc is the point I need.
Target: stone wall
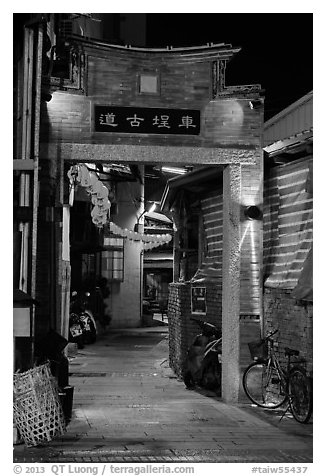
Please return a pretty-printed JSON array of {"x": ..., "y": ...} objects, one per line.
[{"x": 294, "y": 320}]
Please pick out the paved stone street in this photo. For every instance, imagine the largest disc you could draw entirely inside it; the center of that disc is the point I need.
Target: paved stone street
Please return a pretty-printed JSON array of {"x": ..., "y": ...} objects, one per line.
[{"x": 130, "y": 407}]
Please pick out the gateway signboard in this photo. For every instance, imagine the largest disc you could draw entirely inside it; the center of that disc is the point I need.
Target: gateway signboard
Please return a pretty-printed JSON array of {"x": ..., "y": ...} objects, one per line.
[{"x": 145, "y": 120}]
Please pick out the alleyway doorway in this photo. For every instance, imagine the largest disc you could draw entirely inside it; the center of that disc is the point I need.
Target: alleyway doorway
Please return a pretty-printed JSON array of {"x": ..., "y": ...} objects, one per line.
[{"x": 129, "y": 285}]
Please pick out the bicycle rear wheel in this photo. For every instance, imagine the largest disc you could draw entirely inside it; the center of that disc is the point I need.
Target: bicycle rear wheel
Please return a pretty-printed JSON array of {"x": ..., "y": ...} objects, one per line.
[
  {"x": 263, "y": 385},
  {"x": 300, "y": 395}
]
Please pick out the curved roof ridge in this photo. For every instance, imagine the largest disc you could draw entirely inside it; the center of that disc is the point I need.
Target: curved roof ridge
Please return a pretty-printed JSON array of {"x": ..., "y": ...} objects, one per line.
[
  {"x": 207, "y": 46},
  {"x": 177, "y": 48}
]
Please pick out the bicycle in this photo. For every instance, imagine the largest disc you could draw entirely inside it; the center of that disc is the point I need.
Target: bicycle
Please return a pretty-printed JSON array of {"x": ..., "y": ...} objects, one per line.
[{"x": 268, "y": 385}]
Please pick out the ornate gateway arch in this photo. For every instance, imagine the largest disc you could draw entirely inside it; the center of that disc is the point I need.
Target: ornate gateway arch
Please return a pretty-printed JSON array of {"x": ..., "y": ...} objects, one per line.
[{"x": 168, "y": 106}]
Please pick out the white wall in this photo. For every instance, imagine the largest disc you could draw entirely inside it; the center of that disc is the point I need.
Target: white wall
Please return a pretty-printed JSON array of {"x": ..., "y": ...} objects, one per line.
[{"x": 126, "y": 296}]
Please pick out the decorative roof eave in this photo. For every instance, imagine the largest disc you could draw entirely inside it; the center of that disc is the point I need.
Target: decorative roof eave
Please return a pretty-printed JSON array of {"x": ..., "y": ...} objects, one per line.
[
  {"x": 242, "y": 90},
  {"x": 209, "y": 51}
]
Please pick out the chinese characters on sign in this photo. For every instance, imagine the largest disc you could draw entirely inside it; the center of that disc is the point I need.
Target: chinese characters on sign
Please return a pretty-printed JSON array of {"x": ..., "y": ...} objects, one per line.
[
  {"x": 198, "y": 300},
  {"x": 138, "y": 120}
]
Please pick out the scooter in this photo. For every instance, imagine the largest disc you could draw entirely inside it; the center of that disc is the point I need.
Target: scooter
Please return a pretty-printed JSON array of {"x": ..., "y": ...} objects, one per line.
[
  {"x": 80, "y": 305},
  {"x": 76, "y": 333},
  {"x": 204, "y": 358}
]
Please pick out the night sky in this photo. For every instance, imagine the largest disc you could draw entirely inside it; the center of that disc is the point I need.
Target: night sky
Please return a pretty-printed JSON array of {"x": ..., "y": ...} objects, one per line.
[{"x": 277, "y": 48}]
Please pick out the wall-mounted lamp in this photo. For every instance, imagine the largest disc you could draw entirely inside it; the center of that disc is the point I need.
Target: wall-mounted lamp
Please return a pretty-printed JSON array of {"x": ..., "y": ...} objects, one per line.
[
  {"x": 46, "y": 96},
  {"x": 253, "y": 213},
  {"x": 255, "y": 103},
  {"x": 139, "y": 227}
]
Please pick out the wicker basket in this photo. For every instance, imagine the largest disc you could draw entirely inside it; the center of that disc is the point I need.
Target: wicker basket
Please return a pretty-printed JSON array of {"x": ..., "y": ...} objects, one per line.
[
  {"x": 37, "y": 409},
  {"x": 258, "y": 350}
]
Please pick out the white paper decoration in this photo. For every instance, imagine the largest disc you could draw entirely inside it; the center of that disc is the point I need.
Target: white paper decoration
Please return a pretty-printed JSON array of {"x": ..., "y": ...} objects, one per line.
[
  {"x": 80, "y": 175},
  {"x": 149, "y": 241}
]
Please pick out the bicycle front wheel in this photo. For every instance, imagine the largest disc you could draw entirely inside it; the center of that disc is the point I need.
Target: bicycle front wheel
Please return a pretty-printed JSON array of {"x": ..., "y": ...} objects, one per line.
[
  {"x": 262, "y": 384},
  {"x": 300, "y": 395}
]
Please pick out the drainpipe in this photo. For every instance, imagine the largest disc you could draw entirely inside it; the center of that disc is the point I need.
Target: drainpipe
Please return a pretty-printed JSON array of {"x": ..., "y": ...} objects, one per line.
[
  {"x": 141, "y": 284},
  {"x": 33, "y": 39},
  {"x": 24, "y": 195},
  {"x": 36, "y": 140},
  {"x": 141, "y": 253}
]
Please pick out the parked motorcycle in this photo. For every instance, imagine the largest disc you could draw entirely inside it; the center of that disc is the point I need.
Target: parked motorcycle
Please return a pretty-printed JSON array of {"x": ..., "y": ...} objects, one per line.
[
  {"x": 79, "y": 304},
  {"x": 76, "y": 330},
  {"x": 204, "y": 357}
]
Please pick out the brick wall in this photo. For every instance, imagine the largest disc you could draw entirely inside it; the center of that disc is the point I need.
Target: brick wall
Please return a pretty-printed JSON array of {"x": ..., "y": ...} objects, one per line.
[
  {"x": 294, "y": 321},
  {"x": 181, "y": 329},
  {"x": 177, "y": 313},
  {"x": 185, "y": 81}
]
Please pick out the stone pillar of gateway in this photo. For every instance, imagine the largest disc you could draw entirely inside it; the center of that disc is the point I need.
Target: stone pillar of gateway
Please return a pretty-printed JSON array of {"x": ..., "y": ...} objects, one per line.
[{"x": 126, "y": 105}]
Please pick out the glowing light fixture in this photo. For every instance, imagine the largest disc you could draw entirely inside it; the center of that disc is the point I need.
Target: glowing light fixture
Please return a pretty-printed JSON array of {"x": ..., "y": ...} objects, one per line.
[
  {"x": 148, "y": 209},
  {"x": 46, "y": 96},
  {"x": 173, "y": 170},
  {"x": 255, "y": 103},
  {"x": 151, "y": 208}
]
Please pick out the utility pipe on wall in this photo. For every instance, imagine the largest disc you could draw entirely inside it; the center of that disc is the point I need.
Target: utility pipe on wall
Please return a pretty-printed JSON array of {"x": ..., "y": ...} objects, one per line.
[
  {"x": 32, "y": 75},
  {"x": 141, "y": 254},
  {"x": 38, "y": 35},
  {"x": 24, "y": 195}
]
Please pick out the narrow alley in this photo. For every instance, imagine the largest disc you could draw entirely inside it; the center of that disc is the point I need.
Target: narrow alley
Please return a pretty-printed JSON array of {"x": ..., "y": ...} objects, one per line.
[{"x": 130, "y": 407}]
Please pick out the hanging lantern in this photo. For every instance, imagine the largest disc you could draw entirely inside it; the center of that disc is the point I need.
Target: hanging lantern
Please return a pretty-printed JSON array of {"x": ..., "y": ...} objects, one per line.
[{"x": 85, "y": 180}]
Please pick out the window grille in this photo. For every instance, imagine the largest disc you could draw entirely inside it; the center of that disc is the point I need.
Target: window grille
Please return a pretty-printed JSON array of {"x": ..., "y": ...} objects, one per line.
[{"x": 113, "y": 259}]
